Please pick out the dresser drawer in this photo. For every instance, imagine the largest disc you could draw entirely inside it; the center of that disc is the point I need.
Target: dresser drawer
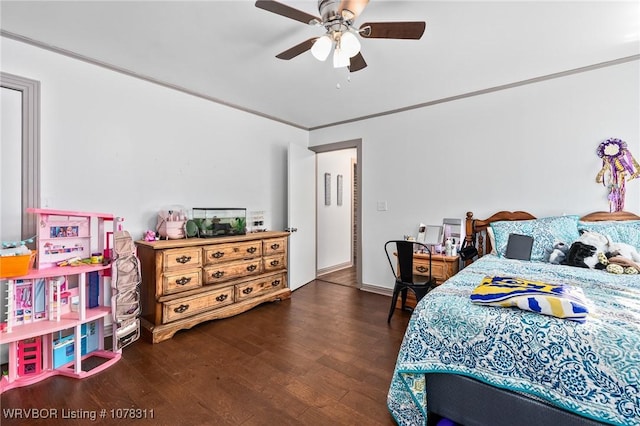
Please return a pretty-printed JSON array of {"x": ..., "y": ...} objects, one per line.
[
  {"x": 274, "y": 263},
  {"x": 273, "y": 246},
  {"x": 181, "y": 258},
  {"x": 232, "y": 251},
  {"x": 232, "y": 270},
  {"x": 421, "y": 268},
  {"x": 175, "y": 282},
  {"x": 442, "y": 268},
  {"x": 188, "y": 306},
  {"x": 260, "y": 287}
]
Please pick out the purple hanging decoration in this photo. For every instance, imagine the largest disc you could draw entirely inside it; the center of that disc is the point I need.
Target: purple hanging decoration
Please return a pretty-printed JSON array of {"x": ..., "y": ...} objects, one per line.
[{"x": 617, "y": 163}]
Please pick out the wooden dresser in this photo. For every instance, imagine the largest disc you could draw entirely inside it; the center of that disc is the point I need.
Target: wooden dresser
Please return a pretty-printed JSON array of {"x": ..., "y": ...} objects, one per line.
[
  {"x": 442, "y": 268},
  {"x": 188, "y": 281}
]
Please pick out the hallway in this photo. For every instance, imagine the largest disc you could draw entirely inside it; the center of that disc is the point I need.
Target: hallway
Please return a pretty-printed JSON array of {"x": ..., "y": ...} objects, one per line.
[{"x": 346, "y": 277}]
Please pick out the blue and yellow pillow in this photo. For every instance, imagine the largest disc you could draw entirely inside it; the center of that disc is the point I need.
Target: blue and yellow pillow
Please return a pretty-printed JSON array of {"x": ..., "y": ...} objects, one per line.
[{"x": 558, "y": 300}]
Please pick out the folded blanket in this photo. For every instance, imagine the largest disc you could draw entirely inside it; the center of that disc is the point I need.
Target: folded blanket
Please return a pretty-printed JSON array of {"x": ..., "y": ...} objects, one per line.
[{"x": 558, "y": 300}]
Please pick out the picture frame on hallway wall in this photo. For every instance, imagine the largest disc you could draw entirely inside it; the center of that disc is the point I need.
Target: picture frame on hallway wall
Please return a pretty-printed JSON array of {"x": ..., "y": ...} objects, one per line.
[
  {"x": 327, "y": 189},
  {"x": 339, "y": 179}
]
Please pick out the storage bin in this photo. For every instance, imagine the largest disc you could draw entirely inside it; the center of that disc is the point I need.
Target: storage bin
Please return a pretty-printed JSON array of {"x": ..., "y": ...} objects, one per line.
[
  {"x": 15, "y": 266},
  {"x": 171, "y": 223},
  {"x": 171, "y": 230}
]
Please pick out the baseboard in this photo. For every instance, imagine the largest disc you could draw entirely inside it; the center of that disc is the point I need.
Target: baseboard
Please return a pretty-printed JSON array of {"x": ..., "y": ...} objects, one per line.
[
  {"x": 376, "y": 289},
  {"x": 334, "y": 268}
]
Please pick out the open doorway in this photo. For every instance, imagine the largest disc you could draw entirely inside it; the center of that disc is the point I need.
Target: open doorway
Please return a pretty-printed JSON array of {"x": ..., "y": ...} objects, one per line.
[{"x": 338, "y": 213}]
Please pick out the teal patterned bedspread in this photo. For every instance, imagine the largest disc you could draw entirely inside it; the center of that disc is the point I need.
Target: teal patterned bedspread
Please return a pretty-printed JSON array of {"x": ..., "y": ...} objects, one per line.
[{"x": 592, "y": 369}]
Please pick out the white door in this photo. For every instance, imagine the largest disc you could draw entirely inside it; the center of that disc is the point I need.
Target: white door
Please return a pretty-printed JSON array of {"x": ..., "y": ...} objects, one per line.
[{"x": 301, "y": 216}]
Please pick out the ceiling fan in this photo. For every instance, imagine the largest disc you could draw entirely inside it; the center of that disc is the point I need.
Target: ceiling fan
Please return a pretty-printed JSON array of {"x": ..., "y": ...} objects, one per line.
[{"x": 341, "y": 34}]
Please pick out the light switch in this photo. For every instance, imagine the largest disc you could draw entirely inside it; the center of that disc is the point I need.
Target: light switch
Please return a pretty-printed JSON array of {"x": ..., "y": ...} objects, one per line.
[{"x": 382, "y": 206}]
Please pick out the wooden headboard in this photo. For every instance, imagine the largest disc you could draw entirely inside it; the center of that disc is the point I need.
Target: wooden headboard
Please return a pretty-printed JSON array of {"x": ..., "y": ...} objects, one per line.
[{"x": 476, "y": 229}]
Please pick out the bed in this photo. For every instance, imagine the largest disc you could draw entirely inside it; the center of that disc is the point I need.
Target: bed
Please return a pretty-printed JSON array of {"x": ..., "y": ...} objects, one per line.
[{"x": 481, "y": 365}]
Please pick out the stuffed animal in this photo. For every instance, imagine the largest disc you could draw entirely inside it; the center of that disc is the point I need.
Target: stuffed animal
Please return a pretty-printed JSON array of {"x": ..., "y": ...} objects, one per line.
[
  {"x": 558, "y": 253},
  {"x": 584, "y": 256},
  {"x": 619, "y": 265},
  {"x": 603, "y": 243},
  {"x": 595, "y": 239},
  {"x": 150, "y": 236},
  {"x": 598, "y": 251},
  {"x": 625, "y": 250}
]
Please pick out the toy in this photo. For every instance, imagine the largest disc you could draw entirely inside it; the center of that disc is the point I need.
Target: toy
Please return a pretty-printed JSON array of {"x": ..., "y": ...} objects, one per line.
[
  {"x": 618, "y": 264},
  {"x": 558, "y": 253},
  {"x": 597, "y": 251},
  {"x": 40, "y": 305},
  {"x": 585, "y": 251},
  {"x": 604, "y": 244},
  {"x": 150, "y": 235},
  {"x": 625, "y": 250},
  {"x": 584, "y": 256},
  {"x": 595, "y": 239}
]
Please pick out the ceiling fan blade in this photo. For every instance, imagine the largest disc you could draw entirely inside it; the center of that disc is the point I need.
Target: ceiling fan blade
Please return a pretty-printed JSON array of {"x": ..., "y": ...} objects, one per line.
[
  {"x": 357, "y": 63},
  {"x": 398, "y": 30},
  {"x": 286, "y": 11},
  {"x": 354, "y": 6},
  {"x": 297, "y": 49}
]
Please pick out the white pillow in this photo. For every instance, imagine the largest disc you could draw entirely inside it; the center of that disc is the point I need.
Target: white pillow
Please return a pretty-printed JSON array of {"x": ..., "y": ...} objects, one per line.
[{"x": 492, "y": 240}]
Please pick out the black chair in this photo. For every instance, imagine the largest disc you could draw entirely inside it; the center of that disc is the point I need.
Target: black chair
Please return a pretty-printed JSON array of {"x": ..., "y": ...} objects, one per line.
[{"x": 402, "y": 269}]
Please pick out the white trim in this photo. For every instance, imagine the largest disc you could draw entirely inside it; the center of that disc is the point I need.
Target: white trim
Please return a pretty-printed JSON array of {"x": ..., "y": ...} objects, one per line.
[
  {"x": 71, "y": 54},
  {"x": 30, "y": 146},
  {"x": 377, "y": 290},
  {"x": 130, "y": 73},
  {"x": 333, "y": 268}
]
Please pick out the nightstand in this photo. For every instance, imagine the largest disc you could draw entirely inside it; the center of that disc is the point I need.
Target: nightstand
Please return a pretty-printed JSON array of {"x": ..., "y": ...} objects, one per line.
[{"x": 442, "y": 268}]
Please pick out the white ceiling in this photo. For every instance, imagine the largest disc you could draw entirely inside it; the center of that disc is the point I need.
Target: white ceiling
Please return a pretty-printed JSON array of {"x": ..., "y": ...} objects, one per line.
[{"x": 225, "y": 50}]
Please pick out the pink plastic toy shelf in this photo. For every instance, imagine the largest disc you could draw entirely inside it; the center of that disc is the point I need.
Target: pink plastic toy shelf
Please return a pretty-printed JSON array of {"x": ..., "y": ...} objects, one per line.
[{"x": 55, "y": 314}]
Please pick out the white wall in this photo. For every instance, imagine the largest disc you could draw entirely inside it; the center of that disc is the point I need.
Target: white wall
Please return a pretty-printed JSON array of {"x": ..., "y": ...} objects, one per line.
[
  {"x": 527, "y": 148},
  {"x": 334, "y": 223},
  {"x": 113, "y": 143}
]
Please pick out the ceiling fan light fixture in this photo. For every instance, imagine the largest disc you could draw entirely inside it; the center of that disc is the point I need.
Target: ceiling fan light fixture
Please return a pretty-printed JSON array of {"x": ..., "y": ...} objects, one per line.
[
  {"x": 322, "y": 47},
  {"x": 349, "y": 44},
  {"x": 340, "y": 58},
  {"x": 348, "y": 15}
]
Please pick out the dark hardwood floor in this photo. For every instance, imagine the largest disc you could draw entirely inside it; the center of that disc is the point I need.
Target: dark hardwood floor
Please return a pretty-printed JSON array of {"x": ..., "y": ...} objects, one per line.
[
  {"x": 346, "y": 276},
  {"x": 323, "y": 357}
]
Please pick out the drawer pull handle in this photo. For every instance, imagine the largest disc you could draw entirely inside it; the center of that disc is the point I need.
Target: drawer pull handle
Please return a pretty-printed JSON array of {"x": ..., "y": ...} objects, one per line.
[
  {"x": 218, "y": 274},
  {"x": 251, "y": 268},
  {"x": 222, "y": 297},
  {"x": 183, "y": 259},
  {"x": 422, "y": 268},
  {"x": 274, "y": 263},
  {"x": 275, "y": 246},
  {"x": 183, "y": 280},
  {"x": 275, "y": 283},
  {"x": 251, "y": 250},
  {"x": 217, "y": 255},
  {"x": 247, "y": 290},
  {"x": 180, "y": 309}
]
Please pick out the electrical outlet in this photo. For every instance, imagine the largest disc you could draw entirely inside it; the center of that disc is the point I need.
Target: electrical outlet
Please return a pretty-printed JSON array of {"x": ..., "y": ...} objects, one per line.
[{"x": 382, "y": 206}]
